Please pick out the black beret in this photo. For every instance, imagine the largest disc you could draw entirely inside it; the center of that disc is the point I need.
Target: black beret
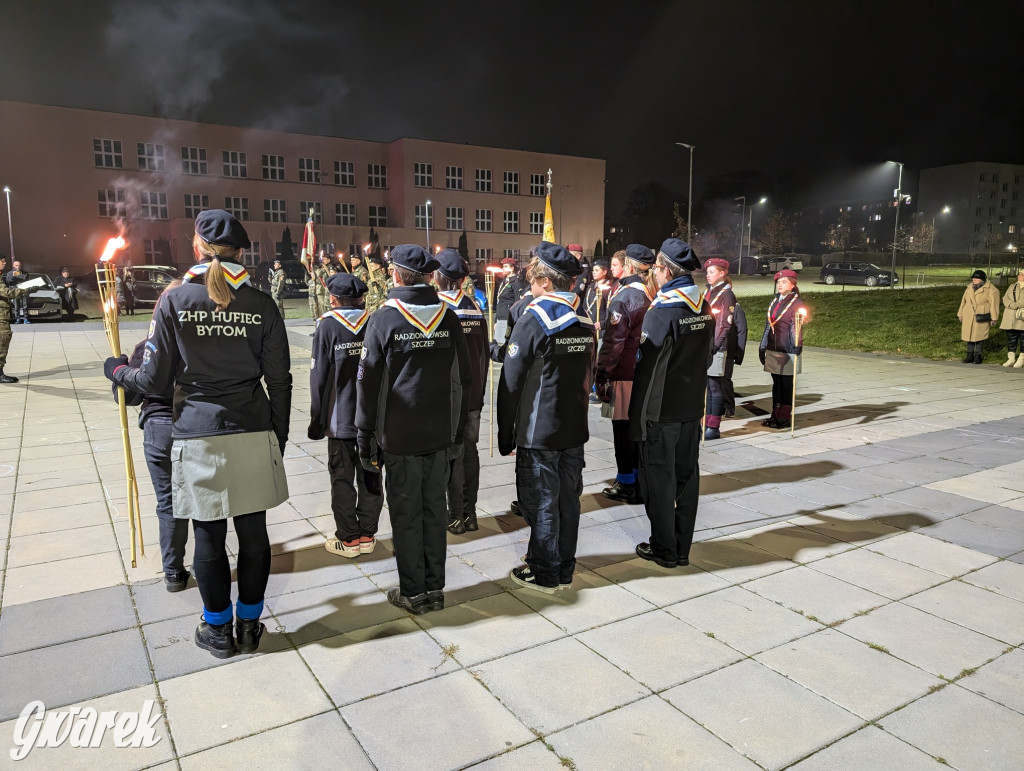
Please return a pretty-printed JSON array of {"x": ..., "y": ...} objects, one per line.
[
  {"x": 220, "y": 228},
  {"x": 376, "y": 259},
  {"x": 559, "y": 258},
  {"x": 414, "y": 258},
  {"x": 679, "y": 254},
  {"x": 979, "y": 274},
  {"x": 346, "y": 285},
  {"x": 640, "y": 253},
  {"x": 602, "y": 262},
  {"x": 453, "y": 266}
]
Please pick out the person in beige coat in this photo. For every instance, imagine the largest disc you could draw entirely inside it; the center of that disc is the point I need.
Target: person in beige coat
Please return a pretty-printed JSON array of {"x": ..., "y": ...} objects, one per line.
[
  {"x": 979, "y": 309},
  {"x": 1013, "y": 322}
]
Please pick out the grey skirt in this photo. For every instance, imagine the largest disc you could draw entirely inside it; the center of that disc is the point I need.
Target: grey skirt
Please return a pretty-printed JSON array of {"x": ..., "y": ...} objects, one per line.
[{"x": 216, "y": 477}]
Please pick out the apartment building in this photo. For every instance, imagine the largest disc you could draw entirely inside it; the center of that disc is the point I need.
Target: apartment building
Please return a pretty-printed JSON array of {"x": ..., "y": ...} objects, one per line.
[{"x": 77, "y": 177}]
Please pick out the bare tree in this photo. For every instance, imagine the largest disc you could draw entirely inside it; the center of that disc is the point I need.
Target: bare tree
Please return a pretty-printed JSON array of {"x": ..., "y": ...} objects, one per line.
[
  {"x": 681, "y": 224},
  {"x": 775, "y": 235},
  {"x": 837, "y": 237}
]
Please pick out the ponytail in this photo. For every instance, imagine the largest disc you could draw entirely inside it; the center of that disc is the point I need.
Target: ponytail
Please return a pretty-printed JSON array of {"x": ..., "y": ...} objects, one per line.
[
  {"x": 644, "y": 272},
  {"x": 216, "y": 285}
]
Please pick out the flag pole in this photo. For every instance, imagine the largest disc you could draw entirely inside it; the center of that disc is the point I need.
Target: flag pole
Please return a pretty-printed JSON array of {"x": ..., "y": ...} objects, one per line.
[{"x": 489, "y": 291}]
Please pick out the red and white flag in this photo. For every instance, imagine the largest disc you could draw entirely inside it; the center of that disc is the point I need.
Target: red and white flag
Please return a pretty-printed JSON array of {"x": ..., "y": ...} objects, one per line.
[{"x": 307, "y": 256}]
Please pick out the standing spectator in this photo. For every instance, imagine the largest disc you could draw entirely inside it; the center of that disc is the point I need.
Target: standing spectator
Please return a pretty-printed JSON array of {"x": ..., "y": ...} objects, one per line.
[
  {"x": 542, "y": 416},
  {"x": 278, "y": 281},
  {"x": 603, "y": 287},
  {"x": 228, "y": 433},
  {"x": 68, "y": 290},
  {"x": 1013, "y": 321},
  {"x": 19, "y": 304},
  {"x": 511, "y": 289},
  {"x": 412, "y": 395},
  {"x": 129, "y": 292},
  {"x": 780, "y": 349},
  {"x": 668, "y": 402},
  {"x": 978, "y": 311}
]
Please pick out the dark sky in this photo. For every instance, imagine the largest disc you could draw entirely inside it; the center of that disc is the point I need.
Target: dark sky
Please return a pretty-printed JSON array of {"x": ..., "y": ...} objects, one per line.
[{"x": 813, "y": 88}]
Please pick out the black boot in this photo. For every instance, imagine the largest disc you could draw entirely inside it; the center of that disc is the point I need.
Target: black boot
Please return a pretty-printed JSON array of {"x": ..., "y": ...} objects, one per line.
[
  {"x": 978, "y": 352},
  {"x": 7, "y": 378},
  {"x": 969, "y": 358},
  {"x": 470, "y": 523},
  {"x": 249, "y": 631},
  {"x": 456, "y": 525},
  {"x": 217, "y": 639},
  {"x": 623, "y": 493},
  {"x": 769, "y": 422}
]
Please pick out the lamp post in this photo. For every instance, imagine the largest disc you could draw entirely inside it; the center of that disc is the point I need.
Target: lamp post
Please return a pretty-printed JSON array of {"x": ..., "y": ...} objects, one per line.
[
  {"x": 428, "y": 225},
  {"x": 750, "y": 231},
  {"x": 743, "y": 211},
  {"x": 689, "y": 195},
  {"x": 10, "y": 227},
  {"x": 896, "y": 227}
]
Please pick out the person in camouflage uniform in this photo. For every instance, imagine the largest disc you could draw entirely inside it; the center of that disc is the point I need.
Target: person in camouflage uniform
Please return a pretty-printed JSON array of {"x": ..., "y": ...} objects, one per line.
[
  {"x": 277, "y": 281},
  {"x": 358, "y": 269},
  {"x": 378, "y": 282},
  {"x": 469, "y": 288},
  {"x": 8, "y": 294},
  {"x": 322, "y": 295},
  {"x": 315, "y": 284}
]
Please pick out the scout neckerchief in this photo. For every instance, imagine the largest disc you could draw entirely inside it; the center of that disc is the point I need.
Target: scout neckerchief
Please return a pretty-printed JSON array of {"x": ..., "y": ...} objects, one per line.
[
  {"x": 426, "y": 318},
  {"x": 679, "y": 291},
  {"x": 714, "y": 293},
  {"x": 557, "y": 311},
  {"x": 460, "y": 302},
  {"x": 353, "y": 319},
  {"x": 777, "y": 310},
  {"x": 234, "y": 274},
  {"x": 639, "y": 283}
]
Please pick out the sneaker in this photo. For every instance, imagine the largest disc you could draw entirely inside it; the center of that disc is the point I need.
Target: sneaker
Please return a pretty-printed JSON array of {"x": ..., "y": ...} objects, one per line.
[
  {"x": 217, "y": 639},
  {"x": 711, "y": 433},
  {"x": 525, "y": 577},
  {"x": 248, "y": 632},
  {"x": 470, "y": 523},
  {"x": 594, "y": 399},
  {"x": 435, "y": 600},
  {"x": 456, "y": 526},
  {"x": 417, "y": 604},
  {"x": 514, "y": 508},
  {"x": 563, "y": 587},
  {"x": 643, "y": 551},
  {"x": 348, "y": 549},
  {"x": 367, "y": 543},
  {"x": 175, "y": 582},
  {"x": 682, "y": 562}
]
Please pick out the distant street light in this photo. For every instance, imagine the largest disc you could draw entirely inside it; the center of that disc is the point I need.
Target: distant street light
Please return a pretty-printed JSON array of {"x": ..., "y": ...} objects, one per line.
[
  {"x": 10, "y": 227},
  {"x": 931, "y": 244},
  {"x": 750, "y": 232},
  {"x": 689, "y": 195},
  {"x": 428, "y": 225},
  {"x": 896, "y": 227},
  {"x": 743, "y": 211}
]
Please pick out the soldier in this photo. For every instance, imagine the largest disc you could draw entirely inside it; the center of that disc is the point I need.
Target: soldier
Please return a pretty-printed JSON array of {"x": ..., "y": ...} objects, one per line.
[
  {"x": 377, "y": 284},
  {"x": 359, "y": 269},
  {"x": 722, "y": 301},
  {"x": 468, "y": 287},
  {"x": 464, "y": 482},
  {"x": 322, "y": 295},
  {"x": 616, "y": 362},
  {"x": 668, "y": 403},
  {"x": 542, "y": 416},
  {"x": 9, "y": 295},
  {"x": 337, "y": 346},
  {"x": 277, "y": 285},
  {"x": 412, "y": 396},
  {"x": 603, "y": 286},
  {"x": 312, "y": 279}
]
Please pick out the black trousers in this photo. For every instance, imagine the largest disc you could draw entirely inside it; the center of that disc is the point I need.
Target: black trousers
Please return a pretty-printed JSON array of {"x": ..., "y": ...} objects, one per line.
[
  {"x": 715, "y": 403},
  {"x": 782, "y": 389},
  {"x": 1015, "y": 340},
  {"x": 627, "y": 456},
  {"x": 156, "y": 445},
  {"x": 416, "y": 487},
  {"x": 464, "y": 476},
  {"x": 670, "y": 484},
  {"x": 354, "y": 515},
  {"x": 548, "y": 485},
  {"x": 213, "y": 573}
]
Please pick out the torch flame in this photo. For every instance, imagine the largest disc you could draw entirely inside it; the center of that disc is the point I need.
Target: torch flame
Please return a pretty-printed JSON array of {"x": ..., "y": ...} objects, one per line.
[
  {"x": 113, "y": 245},
  {"x": 366, "y": 248},
  {"x": 494, "y": 269}
]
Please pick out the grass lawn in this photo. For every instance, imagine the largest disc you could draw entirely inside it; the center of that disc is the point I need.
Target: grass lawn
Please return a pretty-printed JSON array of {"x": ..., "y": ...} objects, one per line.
[{"x": 909, "y": 322}]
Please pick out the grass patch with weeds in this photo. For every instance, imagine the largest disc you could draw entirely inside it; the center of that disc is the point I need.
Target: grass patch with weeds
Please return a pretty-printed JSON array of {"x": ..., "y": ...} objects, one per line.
[{"x": 877, "y": 647}]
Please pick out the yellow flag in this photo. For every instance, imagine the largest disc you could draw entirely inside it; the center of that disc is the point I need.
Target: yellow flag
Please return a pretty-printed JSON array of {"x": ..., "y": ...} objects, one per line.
[{"x": 549, "y": 222}]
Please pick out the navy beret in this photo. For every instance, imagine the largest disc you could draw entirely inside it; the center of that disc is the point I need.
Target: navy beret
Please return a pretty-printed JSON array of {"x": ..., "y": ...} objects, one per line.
[
  {"x": 220, "y": 228},
  {"x": 640, "y": 253},
  {"x": 346, "y": 285},
  {"x": 559, "y": 258},
  {"x": 414, "y": 258},
  {"x": 602, "y": 262},
  {"x": 453, "y": 266},
  {"x": 679, "y": 254}
]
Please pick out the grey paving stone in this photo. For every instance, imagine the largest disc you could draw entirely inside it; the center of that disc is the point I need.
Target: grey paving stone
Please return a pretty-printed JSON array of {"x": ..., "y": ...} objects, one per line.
[
  {"x": 73, "y": 671},
  {"x": 592, "y": 601},
  {"x": 315, "y": 566},
  {"x": 931, "y": 554},
  {"x": 931, "y": 643},
  {"x": 62, "y": 577},
  {"x": 973, "y": 535},
  {"x": 872, "y": 748},
  {"x": 982, "y": 456},
  {"x": 877, "y": 573},
  {"x": 847, "y": 672},
  {"x": 936, "y": 504},
  {"x": 1004, "y": 577},
  {"x": 920, "y": 471},
  {"x": 875, "y": 483},
  {"x": 319, "y": 742},
  {"x": 826, "y": 493},
  {"x": 795, "y": 543},
  {"x": 1001, "y": 680},
  {"x": 998, "y": 517},
  {"x": 974, "y": 608},
  {"x": 253, "y": 694},
  {"x": 534, "y": 684},
  {"x": 60, "y": 519},
  {"x": 325, "y": 611},
  {"x": 427, "y": 730},
  {"x": 155, "y": 603},
  {"x": 993, "y": 738},
  {"x": 662, "y": 586},
  {"x": 736, "y": 560},
  {"x": 729, "y": 616},
  {"x": 649, "y": 733},
  {"x": 66, "y": 618},
  {"x": 772, "y": 720},
  {"x": 671, "y": 652},
  {"x": 816, "y": 595},
  {"x": 534, "y": 756}
]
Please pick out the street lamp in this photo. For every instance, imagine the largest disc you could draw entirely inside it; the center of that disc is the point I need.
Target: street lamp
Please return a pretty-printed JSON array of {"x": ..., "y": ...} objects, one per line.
[
  {"x": 743, "y": 211},
  {"x": 428, "y": 225},
  {"x": 896, "y": 227},
  {"x": 689, "y": 195},
  {"x": 750, "y": 231},
  {"x": 10, "y": 227},
  {"x": 931, "y": 243}
]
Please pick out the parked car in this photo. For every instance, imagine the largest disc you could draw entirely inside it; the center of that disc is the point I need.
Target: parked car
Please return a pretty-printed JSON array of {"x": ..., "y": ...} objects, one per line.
[
  {"x": 294, "y": 279},
  {"x": 857, "y": 273},
  {"x": 44, "y": 301},
  {"x": 774, "y": 263},
  {"x": 150, "y": 281}
]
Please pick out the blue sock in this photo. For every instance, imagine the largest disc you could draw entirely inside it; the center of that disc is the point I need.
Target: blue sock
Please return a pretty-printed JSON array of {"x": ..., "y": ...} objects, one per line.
[
  {"x": 626, "y": 479},
  {"x": 216, "y": 619},
  {"x": 248, "y": 611}
]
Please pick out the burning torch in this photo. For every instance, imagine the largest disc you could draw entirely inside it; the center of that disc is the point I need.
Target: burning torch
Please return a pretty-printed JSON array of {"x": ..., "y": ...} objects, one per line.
[
  {"x": 489, "y": 292},
  {"x": 106, "y": 282},
  {"x": 602, "y": 287},
  {"x": 798, "y": 321}
]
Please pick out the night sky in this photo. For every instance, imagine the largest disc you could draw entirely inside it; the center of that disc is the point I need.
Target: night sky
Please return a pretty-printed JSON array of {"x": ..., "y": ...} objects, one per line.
[{"x": 812, "y": 88}]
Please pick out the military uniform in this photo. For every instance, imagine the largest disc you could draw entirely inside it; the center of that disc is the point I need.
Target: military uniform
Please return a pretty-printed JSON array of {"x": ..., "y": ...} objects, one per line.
[
  {"x": 362, "y": 274},
  {"x": 377, "y": 283},
  {"x": 313, "y": 279},
  {"x": 277, "y": 285},
  {"x": 9, "y": 294},
  {"x": 322, "y": 294}
]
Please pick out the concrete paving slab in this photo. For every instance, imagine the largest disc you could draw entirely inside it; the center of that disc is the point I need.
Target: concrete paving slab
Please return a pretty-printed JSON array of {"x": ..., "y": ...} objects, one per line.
[
  {"x": 62, "y": 577},
  {"x": 49, "y": 547},
  {"x": 535, "y": 684},
  {"x": 649, "y": 734},
  {"x": 974, "y": 608},
  {"x": 870, "y": 747},
  {"x": 994, "y": 738},
  {"x": 928, "y": 642},
  {"x": 1001, "y": 681},
  {"x": 60, "y": 519},
  {"x": 877, "y": 573},
  {"x": 816, "y": 595},
  {"x": 662, "y": 586},
  {"x": 427, "y": 729},
  {"x": 931, "y": 554},
  {"x": 771, "y": 720},
  {"x": 591, "y": 602},
  {"x": 1005, "y": 578},
  {"x": 980, "y": 537},
  {"x": 736, "y": 560},
  {"x": 847, "y": 672},
  {"x": 534, "y": 756},
  {"x": 325, "y": 611},
  {"x": 307, "y": 568},
  {"x": 1005, "y": 517}
]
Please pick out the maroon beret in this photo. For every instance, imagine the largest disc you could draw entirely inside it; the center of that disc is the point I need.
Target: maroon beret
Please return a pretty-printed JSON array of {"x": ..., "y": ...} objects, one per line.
[
  {"x": 787, "y": 273},
  {"x": 574, "y": 248},
  {"x": 717, "y": 262}
]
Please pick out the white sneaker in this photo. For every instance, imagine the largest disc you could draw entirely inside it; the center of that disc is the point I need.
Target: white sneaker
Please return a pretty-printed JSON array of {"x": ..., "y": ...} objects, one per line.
[
  {"x": 367, "y": 543},
  {"x": 337, "y": 546}
]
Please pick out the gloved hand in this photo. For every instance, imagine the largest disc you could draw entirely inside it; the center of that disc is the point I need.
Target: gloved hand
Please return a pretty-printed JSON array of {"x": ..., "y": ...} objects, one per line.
[
  {"x": 760, "y": 354},
  {"x": 131, "y": 398},
  {"x": 369, "y": 465},
  {"x": 605, "y": 390},
  {"x": 111, "y": 365},
  {"x": 372, "y": 483},
  {"x": 455, "y": 451},
  {"x": 315, "y": 431}
]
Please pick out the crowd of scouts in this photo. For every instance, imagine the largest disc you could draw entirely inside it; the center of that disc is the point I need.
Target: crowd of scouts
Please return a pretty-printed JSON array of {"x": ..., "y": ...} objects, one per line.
[{"x": 398, "y": 391}]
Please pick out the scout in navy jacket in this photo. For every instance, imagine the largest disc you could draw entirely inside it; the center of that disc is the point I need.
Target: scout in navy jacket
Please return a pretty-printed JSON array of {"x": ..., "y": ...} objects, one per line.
[
  {"x": 617, "y": 358},
  {"x": 337, "y": 347},
  {"x": 474, "y": 327}
]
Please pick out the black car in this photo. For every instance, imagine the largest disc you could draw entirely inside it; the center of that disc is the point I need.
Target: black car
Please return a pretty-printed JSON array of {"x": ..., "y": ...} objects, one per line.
[
  {"x": 863, "y": 273},
  {"x": 150, "y": 281},
  {"x": 294, "y": 279}
]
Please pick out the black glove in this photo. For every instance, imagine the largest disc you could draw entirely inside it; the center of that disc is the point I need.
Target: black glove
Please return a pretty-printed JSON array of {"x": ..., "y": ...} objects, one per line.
[
  {"x": 370, "y": 466},
  {"x": 372, "y": 482},
  {"x": 605, "y": 390},
  {"x": 131, "y": 398},
  {"x": 315, "y": 431},
  {"x": 455, "y": 451},
  {"x": 112, "y": 364},
  {"x": 760, "y": 354}
]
